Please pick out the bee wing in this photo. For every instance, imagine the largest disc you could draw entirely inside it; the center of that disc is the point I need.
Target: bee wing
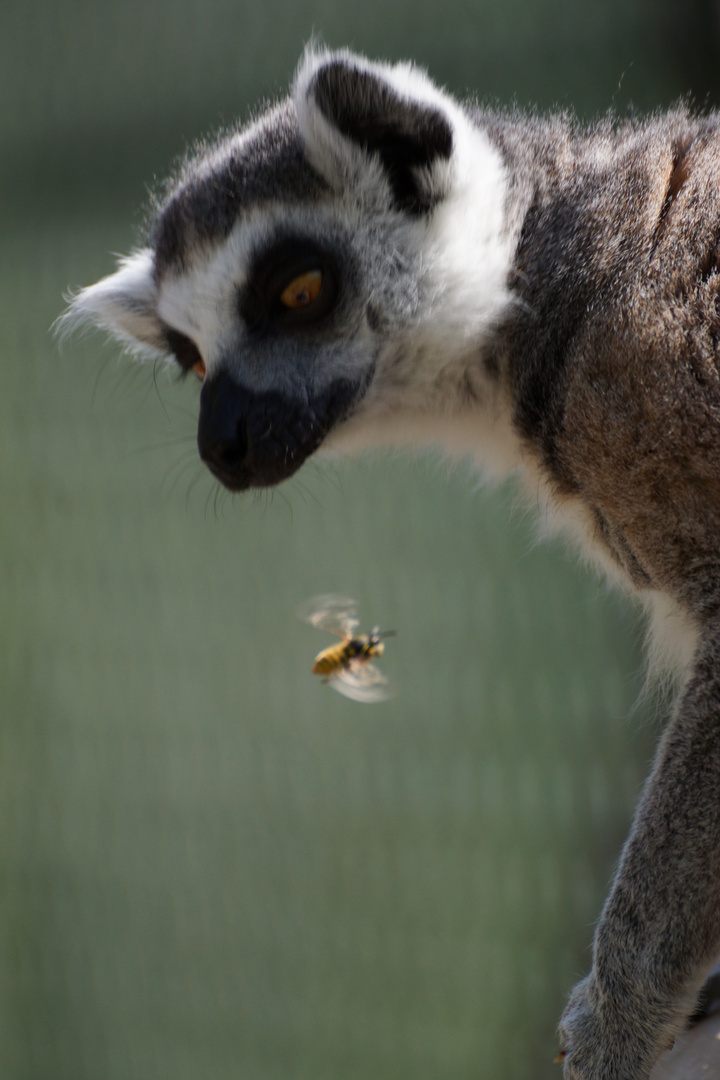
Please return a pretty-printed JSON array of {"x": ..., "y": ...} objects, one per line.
[
  {"x": 336, "y": 614},
  {"x": 362, "y": 681}
]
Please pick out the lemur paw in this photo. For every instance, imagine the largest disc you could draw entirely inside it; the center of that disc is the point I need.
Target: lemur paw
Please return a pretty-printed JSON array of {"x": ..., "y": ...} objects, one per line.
[{"x": 604, "y": 1038}]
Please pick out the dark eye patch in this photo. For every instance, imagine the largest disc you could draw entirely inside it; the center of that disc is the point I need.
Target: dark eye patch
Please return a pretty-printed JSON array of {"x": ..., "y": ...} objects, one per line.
[
  {"x": 260, "y": 302},
  {"x": 185, "y": 351}
]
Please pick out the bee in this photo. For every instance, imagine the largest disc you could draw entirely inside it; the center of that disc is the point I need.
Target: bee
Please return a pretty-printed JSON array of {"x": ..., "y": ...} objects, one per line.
[{"x": 347, "y": 667}]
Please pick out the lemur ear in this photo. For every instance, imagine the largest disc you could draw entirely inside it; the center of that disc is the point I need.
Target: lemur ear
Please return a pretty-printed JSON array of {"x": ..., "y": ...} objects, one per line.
[
  {"x": 396, "y": 115},
  {"x": 125, "y": 305}
]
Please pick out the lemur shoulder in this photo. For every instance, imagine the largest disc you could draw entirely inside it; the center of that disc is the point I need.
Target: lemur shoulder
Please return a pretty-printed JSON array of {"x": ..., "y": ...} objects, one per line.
[{"x": 372, "y": 261}]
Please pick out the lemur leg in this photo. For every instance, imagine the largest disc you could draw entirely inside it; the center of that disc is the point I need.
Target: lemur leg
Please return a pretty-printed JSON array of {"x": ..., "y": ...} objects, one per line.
[{"x": 659, "y": 933}]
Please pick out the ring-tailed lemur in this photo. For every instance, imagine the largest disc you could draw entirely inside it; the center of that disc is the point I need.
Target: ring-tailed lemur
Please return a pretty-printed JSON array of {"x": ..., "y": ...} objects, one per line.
[{"x": 370, "y": 261}]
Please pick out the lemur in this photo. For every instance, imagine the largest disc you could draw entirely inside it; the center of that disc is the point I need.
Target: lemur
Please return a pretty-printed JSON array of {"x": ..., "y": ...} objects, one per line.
[{"x": 371, "y": 261}]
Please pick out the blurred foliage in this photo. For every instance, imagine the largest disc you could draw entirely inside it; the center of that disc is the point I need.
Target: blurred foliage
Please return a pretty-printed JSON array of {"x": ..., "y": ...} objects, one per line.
[{"x": 211, "y": 864}]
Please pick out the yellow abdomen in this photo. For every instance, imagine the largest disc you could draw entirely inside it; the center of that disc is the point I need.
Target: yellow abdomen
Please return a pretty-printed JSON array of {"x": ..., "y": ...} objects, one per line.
[{"x": 330, "y": 660}]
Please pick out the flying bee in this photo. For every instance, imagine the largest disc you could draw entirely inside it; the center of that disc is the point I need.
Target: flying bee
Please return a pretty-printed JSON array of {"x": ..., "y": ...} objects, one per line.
[{"x": 347, "y": 666}]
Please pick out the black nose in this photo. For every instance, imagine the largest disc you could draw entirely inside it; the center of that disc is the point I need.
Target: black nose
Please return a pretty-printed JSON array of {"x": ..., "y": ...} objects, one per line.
[
  {"x": 250, "y": 439},
  {"x": 223, "y": 437},
  {"x": 256, "y": 439}
]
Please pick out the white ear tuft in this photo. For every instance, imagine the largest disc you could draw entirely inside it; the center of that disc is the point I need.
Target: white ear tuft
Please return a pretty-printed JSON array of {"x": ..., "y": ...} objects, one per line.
[
  {"x": 330, "y": 152},
  {"x": 364, "y": 122},
  {"x": 125, "y": 304}
]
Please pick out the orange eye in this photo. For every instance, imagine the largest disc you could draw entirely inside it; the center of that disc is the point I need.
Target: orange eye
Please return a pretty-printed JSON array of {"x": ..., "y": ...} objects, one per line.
[
  {"x": 302, "y": 290},
  {"x": 199, "y": 368}
]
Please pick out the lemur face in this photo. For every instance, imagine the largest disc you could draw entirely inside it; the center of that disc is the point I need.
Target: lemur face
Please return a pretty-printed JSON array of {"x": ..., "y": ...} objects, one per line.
[
  {"x": 293, "y": 264},
  {"x": 275, "y": 321}
]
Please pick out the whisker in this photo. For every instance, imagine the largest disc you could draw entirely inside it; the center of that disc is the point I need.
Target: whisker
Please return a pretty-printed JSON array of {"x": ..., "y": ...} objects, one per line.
[
  {"x": 200, "y": 475},
  {"x": 157, "y": 390},
  {"x": 166, "y": 444},
  {"x": 178, "y": 469}
]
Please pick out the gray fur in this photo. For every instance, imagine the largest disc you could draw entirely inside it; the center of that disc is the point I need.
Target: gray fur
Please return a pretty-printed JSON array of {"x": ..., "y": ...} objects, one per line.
[{"x": 535, "y": 293}]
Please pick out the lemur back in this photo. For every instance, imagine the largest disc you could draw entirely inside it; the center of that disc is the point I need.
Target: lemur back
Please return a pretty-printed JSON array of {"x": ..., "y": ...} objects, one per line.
[{"x": 370, "y": 261}]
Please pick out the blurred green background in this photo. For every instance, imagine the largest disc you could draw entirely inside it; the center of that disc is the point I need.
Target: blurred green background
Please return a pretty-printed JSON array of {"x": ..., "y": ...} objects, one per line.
[{"x": 211, "y": 864}]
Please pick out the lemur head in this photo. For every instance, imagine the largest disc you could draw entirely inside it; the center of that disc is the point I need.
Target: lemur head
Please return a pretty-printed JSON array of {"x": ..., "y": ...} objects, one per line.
[{"x": 305, "y": 265}]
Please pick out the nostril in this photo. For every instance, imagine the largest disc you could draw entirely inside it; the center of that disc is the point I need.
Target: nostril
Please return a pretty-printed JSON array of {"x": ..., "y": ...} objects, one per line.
[
  {"x": 226, "y": 453},
  {"x": 222, "y": 429}
]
